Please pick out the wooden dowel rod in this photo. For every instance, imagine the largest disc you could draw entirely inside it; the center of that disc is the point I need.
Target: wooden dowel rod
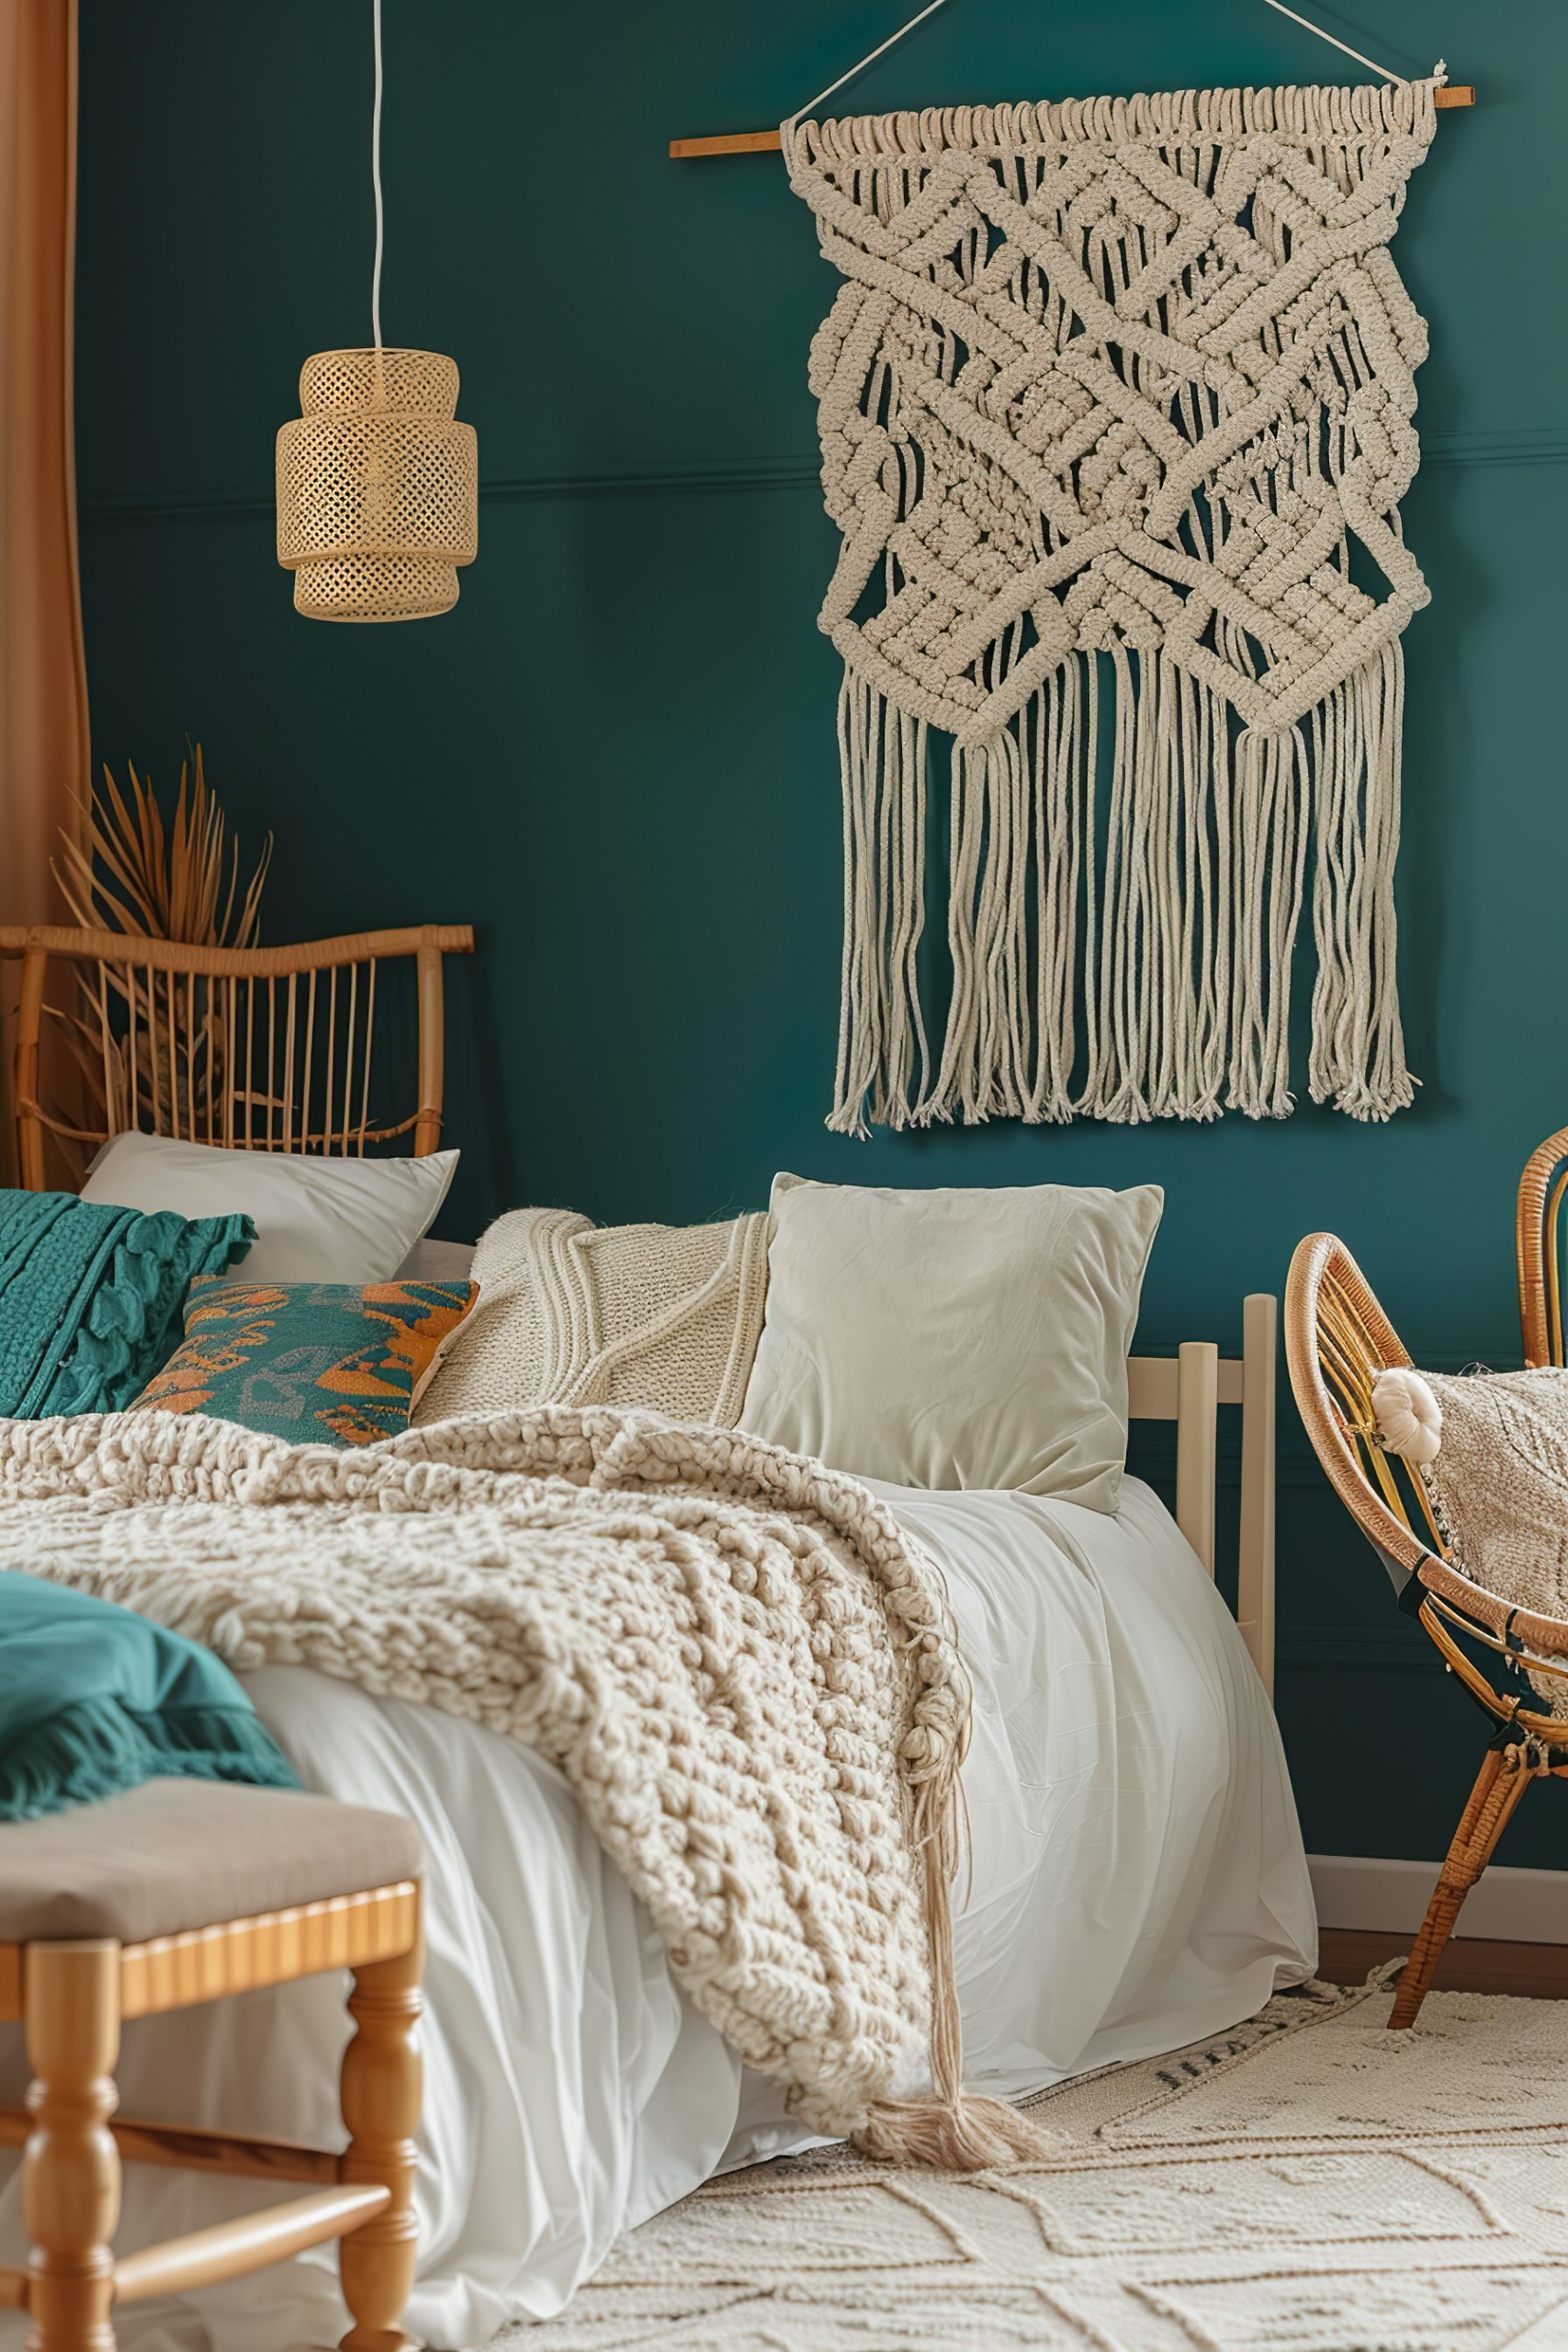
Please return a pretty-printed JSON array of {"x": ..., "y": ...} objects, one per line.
[
  {"x": 194, "y": 2150},
  {"x": 730, "y": 142},
  {"x": 766, "y": 143},
  {"x": 231, "y": 2249}
]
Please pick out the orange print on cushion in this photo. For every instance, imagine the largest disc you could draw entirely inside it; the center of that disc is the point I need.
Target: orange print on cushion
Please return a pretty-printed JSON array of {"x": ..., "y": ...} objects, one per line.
[
  {"x": 349, "y": 1426},
  {"x": 179, "y": 1388},
  {"x": 388, "y": 1366},
  {"x": 213, "y": 1300},
  {"x": 169, "y": 1393},
  {"x": 386, "y": 1369}
]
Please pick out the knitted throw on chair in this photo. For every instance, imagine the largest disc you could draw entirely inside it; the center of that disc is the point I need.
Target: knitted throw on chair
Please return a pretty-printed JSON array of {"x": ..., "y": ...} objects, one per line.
[
  {"x": 1115, "y": 412},
  {"x": 744, "y": 1668}
]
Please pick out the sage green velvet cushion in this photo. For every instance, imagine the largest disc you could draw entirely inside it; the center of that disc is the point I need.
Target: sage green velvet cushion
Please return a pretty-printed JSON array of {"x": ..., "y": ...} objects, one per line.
[{"x": 90, "y": 1297}]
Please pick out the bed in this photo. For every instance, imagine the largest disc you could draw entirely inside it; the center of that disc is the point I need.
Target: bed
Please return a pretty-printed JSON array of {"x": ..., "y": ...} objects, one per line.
[{"x": 1135, "y": 1880}]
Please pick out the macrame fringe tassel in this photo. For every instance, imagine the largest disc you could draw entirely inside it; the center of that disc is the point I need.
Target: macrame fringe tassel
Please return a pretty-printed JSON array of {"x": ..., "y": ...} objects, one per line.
[
  {"x": 883, "y": 1060},
  {"x": 1357, "y": 1040},
  {"x": 1121, "y": 943},
  {"x": 952, "y": 2129}
]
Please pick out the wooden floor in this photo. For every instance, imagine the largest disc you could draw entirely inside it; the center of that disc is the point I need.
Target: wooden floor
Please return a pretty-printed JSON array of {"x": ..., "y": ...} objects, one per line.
[{"x": 1471, "y": 1964}]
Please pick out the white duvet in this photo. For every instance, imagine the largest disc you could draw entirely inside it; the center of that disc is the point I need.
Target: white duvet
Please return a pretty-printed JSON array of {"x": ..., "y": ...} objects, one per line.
[{"x": 1137, "y": 1880}]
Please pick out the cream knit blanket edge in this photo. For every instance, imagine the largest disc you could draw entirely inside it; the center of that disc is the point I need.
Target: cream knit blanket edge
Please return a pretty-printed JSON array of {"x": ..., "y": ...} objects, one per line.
[{"x": 744, "y": 1668}]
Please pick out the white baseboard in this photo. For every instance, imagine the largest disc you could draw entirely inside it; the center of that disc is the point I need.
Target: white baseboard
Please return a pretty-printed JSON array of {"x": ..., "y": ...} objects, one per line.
[{"x": 1511, "y": 1906}]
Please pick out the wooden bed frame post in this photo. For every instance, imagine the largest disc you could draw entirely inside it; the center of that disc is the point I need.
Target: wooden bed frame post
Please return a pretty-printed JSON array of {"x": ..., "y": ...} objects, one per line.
[
  {"x": 71, "y": 2166},
  {"x": 1197, "y": 1425},
  {"x": 381, "y": 2092},
  {"x": 1189, "y": 1389},
  {"x": 1255, "y": 1576}
]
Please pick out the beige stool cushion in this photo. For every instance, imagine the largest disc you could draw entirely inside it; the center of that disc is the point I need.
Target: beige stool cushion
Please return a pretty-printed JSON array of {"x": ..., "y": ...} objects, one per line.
[{"x": 178, "y": 1854}]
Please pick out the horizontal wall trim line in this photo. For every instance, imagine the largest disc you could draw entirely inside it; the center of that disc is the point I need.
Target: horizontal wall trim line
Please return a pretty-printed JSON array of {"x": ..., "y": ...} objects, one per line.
[
  {"x": 1401, "y": 1648},
  {"x": 1367, "y": 1891},
  {"x": 695, "y": 481},
  {"x": 1503, "y": 446},
  {"x": 1547, "y": 445}
]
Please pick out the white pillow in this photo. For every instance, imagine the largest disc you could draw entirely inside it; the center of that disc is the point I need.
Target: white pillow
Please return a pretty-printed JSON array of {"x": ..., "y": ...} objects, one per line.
[
  {"x": 317, "y": 1220},
  {"x": 439, "y": 1261},
  {"x": 955, "y": 1338}
]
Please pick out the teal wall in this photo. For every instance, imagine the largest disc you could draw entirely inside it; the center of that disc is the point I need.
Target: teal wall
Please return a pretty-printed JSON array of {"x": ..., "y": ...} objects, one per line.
[{"x": 616, "y": 756}]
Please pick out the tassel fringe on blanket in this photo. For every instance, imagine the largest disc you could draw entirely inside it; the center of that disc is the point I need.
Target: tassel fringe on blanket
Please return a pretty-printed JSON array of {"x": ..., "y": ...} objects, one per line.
[{"x": 1115, "y": 406}]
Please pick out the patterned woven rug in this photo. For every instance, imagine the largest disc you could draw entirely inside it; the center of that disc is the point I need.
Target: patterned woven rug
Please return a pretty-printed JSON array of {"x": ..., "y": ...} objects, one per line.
[{"x": 1306, "y": 2183}]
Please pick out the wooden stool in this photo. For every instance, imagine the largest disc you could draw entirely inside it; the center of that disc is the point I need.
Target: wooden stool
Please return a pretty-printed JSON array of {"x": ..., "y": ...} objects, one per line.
[{"x": 181, "y": 1891}]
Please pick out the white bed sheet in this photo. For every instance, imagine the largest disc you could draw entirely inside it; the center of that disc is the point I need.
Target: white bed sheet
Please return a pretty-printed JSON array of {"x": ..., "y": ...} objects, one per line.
[{"x": 1137, "y": 1880}]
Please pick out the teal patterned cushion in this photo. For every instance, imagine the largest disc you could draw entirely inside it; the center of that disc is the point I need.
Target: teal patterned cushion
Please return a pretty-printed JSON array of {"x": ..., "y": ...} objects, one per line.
[
  {"x": 320, "y": 1363},
  {"x": 90, "y": 1297}
]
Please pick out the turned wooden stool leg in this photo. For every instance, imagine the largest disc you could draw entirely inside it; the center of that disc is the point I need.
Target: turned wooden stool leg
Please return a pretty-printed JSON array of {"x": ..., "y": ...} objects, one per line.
[
  {"x": 380, "y": 2094},
  {"x": 1500, "y": 1783},
  {"x": 71, "y": 2167}
]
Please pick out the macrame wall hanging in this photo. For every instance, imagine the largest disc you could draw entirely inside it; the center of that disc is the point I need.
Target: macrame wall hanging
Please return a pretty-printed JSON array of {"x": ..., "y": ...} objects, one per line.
[{"x": 1115, "y": 407}]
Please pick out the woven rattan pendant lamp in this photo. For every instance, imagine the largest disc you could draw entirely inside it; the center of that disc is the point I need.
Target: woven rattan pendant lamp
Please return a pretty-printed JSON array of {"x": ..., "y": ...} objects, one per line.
[{"x": 377, "y": 483}]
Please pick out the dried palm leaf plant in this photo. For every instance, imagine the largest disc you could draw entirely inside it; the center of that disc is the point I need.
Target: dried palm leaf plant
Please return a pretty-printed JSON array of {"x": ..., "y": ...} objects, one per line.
[{"x": 131, "y": 873}]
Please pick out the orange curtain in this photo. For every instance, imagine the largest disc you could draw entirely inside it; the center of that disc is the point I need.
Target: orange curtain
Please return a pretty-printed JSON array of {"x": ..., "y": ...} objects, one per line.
[{"x": 43, "y": 685}]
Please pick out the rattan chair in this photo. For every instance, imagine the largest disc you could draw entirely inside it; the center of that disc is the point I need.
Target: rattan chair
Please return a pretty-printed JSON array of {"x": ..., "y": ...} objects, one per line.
[
  {"x": 1338, "y": 1340},
  {"x": 256, "y": 1048},
  {"x": 1542, "y": 1190}
]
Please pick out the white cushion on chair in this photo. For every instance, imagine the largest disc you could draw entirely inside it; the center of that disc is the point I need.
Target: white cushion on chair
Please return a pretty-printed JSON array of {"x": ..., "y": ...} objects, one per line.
[{"x": 1497, "y": 1481}]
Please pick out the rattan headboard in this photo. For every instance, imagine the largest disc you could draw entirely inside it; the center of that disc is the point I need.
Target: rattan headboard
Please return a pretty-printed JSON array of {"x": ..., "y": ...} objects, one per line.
[{"x": 258, "y": 1049}]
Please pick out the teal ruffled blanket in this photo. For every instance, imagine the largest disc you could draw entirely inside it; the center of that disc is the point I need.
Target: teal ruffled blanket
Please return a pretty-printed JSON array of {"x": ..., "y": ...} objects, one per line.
[
  {"x": 94, "y": 1699},
  {"x": 90, "y": 1297}
]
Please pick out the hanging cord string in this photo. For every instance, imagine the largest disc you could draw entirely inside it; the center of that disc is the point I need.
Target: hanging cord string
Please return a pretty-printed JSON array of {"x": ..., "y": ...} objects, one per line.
[
  {"x": 1439, "y": 73},
  {"x": 375, "y": 182},
  {"x": 786, "y": 129}
]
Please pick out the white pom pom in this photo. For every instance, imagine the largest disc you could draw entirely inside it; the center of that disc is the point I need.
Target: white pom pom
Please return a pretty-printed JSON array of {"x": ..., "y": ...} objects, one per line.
[{"x": 1409, "y": 1418}]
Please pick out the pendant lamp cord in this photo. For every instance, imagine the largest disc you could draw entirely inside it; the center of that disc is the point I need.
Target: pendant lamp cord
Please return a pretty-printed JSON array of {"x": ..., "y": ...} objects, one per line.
[{"x": 375, "y": 183}]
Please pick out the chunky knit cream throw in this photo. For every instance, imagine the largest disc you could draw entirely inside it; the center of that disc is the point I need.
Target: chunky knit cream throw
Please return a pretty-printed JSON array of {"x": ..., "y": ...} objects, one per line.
[
  {"x": 745, "y": 1670},
  {"x": 1115, "y": 412},
  {"x": 571, "y": 1313}
]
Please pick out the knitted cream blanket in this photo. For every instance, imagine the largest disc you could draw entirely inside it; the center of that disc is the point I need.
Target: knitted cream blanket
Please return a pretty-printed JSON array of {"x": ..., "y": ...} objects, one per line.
[{"x": 744, "y": 1668}]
